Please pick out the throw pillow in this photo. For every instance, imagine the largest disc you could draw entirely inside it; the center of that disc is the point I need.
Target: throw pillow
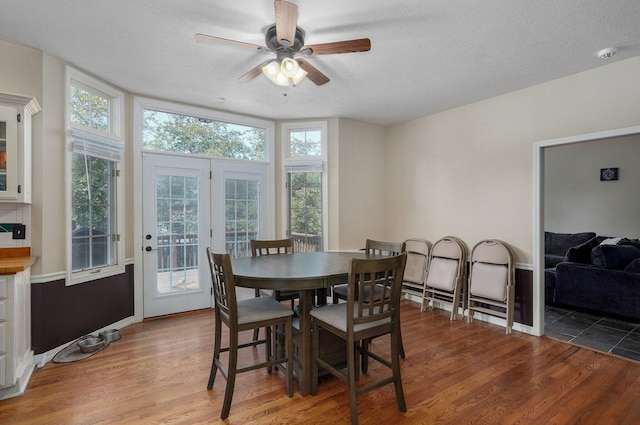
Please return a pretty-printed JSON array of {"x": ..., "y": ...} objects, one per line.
[
  {"x": 614, "y": 256},
  {"x": 581, "y": 253},
  {"x": 633, "y": 267}
]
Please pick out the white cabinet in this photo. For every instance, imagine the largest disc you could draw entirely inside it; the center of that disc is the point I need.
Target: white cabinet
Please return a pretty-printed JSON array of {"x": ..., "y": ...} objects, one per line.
[
  {"x": 16, "y": 356},
  {"x": 15, "y": 147}
]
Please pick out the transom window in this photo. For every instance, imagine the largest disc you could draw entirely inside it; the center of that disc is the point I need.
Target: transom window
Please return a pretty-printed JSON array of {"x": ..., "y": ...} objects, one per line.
[
  {"x": 305, "y": 143},
  {"x": 89, "y": 108},
  {"x": 172, "y": 132}
]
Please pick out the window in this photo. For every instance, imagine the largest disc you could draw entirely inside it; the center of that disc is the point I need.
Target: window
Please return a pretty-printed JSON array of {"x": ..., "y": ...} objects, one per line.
[
  {"x": 172, "y": 132},
  {"x": 241, "y": 151},
  {"x": 306, "y": 181},
  {"x": 95, "y": 211}
]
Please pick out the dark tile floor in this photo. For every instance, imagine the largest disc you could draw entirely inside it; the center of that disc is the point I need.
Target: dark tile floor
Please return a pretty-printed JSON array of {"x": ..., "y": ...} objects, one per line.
[{"x": 610, "y": 335}]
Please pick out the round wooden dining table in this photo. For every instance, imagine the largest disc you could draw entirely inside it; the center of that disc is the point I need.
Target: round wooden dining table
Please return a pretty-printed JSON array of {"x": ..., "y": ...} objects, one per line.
[{"x": 305, "y": 272}]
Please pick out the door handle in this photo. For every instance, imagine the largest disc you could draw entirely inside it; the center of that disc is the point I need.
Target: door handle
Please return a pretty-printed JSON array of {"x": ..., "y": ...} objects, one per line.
[{"x": 148, "y": 248}]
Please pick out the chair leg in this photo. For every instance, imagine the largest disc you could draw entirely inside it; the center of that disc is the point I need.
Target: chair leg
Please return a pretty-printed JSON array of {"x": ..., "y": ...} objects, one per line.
[
  {"x": 289, "y": 354},
  {"x": 315, "y": 349},
  {"x": 402, "y": 355},
  {"x": 216, "y": 352},
  {"x": 268, "y": 347},
  {"x": 256, "y": 331},
  {"x": 395, "y": 367},
  {"x": 351, "y": 370},
  {"x": 231, "y": 375}
]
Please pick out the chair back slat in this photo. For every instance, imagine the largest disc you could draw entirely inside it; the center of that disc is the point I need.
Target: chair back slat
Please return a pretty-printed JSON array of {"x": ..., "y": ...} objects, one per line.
[
  {"x": 384, "y": 273},
  {"x": 388, "y": 249},
  {"x": 223, "y": 281},
  {"x": 271, "y": 247}
]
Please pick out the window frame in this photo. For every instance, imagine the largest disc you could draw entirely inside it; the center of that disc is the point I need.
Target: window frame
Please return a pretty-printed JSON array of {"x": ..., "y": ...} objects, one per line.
[
  {"x": 290, "y": 164},
  {"x": 110, "y": 140}
]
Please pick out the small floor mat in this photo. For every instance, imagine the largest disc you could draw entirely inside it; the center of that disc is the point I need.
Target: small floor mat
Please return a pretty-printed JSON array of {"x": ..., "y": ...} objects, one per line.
[{"x": 72, "y": 353}]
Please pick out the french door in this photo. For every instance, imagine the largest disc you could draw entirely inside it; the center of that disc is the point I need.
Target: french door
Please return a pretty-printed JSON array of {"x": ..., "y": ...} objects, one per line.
[{"x": 176, "y": 233}]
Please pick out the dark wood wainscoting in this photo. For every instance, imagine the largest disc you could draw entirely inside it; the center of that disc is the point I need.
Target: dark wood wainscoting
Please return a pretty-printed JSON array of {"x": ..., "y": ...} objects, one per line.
[
  {"x": 60, "y": 314},
  {"x": 523, "y": 305}
]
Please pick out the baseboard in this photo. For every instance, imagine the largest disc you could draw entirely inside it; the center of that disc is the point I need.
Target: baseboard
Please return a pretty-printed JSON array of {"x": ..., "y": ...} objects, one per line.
[{"x": 24, "y": 371}]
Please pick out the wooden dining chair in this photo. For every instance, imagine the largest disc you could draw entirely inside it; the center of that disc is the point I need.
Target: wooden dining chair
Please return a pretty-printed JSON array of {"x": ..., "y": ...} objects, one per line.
[
  {"x": 364, "y": 317},
  {"x": 241, "y": 316},
  {"x": 492, "y": 281},
  {"x": 273, "y": 247},
  {"x": 388, "y": 249}
]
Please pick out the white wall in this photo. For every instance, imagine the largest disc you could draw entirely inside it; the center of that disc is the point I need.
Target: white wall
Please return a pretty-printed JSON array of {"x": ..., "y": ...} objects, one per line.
[
  {"x": 469, "y": 171},
  {"x": 575, "y": 198},
  {"x": 363, "y": 207}
]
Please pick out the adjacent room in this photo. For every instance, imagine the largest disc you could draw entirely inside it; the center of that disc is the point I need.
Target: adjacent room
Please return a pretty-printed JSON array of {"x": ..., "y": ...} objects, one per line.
[{"x": 468, "y": 168}]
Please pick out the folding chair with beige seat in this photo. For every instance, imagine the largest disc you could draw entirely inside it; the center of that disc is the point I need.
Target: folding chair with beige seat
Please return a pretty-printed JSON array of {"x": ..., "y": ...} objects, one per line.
[
  {"x": 446, "y": 274},
  {"x": 415, "y": 273},
  {"x": 492, "y": 281},
  {"x": 361, "y": 318},
  {"x": 244, "y": 315}
]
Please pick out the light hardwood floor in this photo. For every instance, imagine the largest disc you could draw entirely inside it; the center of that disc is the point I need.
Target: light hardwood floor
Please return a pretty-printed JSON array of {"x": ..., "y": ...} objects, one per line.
[{"x": 455, "y": 372}]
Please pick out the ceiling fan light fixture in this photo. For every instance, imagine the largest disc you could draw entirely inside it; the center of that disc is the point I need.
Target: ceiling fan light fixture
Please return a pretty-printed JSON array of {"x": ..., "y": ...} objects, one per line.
[
  {"x": 289, "y": 67},
  {"x": 284, "y": 73}
]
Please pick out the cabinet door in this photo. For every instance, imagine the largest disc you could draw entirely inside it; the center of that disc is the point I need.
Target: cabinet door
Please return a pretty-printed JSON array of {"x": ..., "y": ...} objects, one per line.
[{"x": 8, "y": 152}]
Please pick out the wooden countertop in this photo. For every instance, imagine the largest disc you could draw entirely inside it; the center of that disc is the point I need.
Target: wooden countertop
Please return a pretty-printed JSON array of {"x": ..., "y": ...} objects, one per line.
[{"x": 15, "y": 260}]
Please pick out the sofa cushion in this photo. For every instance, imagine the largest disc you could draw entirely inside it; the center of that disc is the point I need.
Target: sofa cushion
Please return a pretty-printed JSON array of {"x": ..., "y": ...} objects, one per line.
[
  {"x": 633, "y": 267},
  {"x": 614, "y": 256},
  {"x": 582, "y": 252}
]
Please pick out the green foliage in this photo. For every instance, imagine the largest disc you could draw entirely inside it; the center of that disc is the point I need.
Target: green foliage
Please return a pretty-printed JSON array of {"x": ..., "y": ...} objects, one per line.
[
  {"x": 306, "y": 203},
  {"x": 89, "y": 109},
  {"x": 306, "y": 143},
  {"x": 180, "y": 133},
  {"x": 90, "y": 192}
]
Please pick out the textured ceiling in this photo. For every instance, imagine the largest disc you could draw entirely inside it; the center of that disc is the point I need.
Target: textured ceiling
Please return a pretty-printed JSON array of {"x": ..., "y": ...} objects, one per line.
[{"x": 426, "y": 56}]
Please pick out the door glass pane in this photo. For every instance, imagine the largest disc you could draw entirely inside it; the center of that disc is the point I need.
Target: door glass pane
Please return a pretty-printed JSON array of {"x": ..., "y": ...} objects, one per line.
[
  {"x": 305, "y": 215},
  {"x": 241, "y": 215},
  {"x": 177, "y": 233}
]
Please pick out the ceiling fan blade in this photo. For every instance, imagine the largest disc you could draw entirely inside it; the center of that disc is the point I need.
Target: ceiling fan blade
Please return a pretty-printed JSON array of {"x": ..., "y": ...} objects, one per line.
[
  {"x": 210, "y": 39},
  {"x": 347, "y": 46},
  {"x": 254, "y": 72},
  {"x": 312, "y": 73},
  {"x": 286, "y": 21}
]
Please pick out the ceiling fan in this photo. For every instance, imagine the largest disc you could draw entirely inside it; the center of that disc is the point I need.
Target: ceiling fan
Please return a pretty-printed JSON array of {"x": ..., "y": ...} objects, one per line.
[{"x": 286, "y": 40}]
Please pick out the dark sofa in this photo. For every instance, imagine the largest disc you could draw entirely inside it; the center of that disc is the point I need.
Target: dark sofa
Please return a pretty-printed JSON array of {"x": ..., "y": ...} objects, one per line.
[{"x": 601, "y": 278}]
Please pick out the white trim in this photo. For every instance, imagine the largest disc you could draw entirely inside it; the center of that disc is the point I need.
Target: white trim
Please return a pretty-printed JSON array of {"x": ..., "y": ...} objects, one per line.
[
  {"x": 112, "y": 137},
  {"x": 289, "y": 162},
  {"x": 538, "y": 211}
]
